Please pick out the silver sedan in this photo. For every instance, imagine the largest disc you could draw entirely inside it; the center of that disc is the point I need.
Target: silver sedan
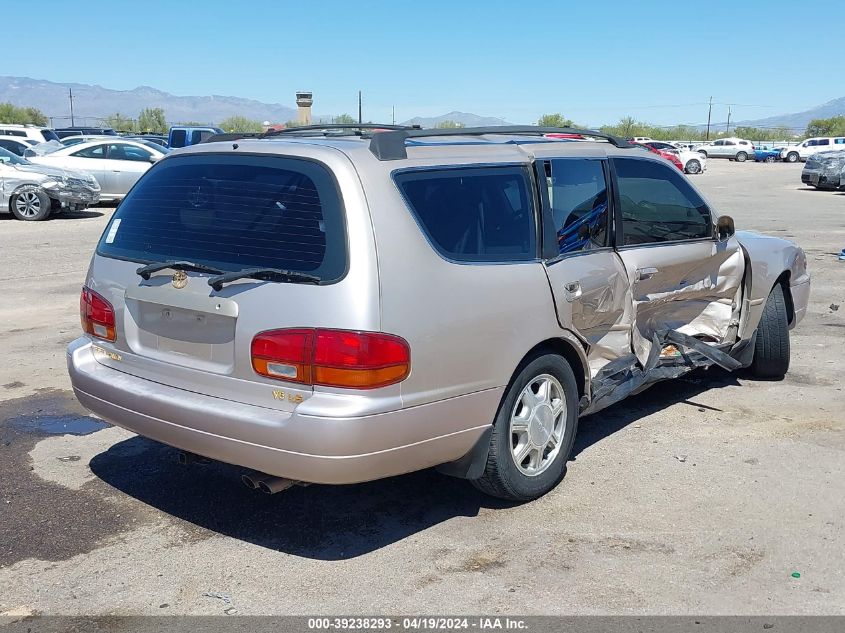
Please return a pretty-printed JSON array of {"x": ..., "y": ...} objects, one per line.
[{"x": 116, "y": 164}]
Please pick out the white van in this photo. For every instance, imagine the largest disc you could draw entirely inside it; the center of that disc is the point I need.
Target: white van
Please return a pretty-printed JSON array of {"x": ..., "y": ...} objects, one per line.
[
  {"x": 35, "y": 132},
  {"x": 811, "y": 146}
]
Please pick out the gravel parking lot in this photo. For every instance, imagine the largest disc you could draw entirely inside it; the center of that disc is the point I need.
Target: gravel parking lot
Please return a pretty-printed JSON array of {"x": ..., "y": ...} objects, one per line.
[{"x": 701, "y": 496}]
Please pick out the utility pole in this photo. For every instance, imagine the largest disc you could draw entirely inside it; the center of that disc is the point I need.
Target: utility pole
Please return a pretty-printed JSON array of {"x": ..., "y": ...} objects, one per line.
[
  {"x": 709, "y": 110},
  {"x": 360, "y": 118},
  {"x": 70, "y": 96},
  {"x": 728, "y": 127}
]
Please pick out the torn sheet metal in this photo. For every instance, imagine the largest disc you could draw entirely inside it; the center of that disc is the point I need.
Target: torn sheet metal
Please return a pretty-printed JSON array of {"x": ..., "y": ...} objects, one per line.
[
  {"x": 624, "y": 376},
  {"x": 696, "y": 294}
]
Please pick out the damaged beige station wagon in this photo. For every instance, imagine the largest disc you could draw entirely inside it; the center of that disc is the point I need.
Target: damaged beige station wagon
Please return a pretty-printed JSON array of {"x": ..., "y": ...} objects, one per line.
[{"x": 336, "y": 304}]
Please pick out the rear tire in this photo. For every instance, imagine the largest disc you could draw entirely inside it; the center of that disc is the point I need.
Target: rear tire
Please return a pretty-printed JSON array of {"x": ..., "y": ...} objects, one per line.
[
  {"x": 538, "y": 425},
  {"x": 741, "y": 157},
  {"x": 771, "y": 345},
  {"x": 31, "y": 205},
  {"x": 693, "y": 167}
]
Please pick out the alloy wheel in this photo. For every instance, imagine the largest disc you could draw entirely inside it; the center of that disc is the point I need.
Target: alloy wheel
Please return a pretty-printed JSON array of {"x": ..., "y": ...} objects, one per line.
[{"x": 538, "y": 424}]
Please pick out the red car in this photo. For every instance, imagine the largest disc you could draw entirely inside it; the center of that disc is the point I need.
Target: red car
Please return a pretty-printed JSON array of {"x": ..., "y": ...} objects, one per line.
[{"x": 670, "y": 156}]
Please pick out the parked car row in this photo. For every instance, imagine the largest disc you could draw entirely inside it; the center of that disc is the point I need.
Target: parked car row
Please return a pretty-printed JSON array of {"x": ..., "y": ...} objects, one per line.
[
  {"x": 825, "y": 170},
  {"x": 44, "y": 171}
]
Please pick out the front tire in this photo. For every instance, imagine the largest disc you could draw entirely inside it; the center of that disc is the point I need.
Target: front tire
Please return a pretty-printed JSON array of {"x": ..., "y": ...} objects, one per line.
[
  {"x": 771, "y": 345},
  {"x": 693, "y": 167},
  {"x": 741, "y": 157},
  {"x": 31, "y": 205},
  {"x": 770, "y": 159},
  {"x": 533, "y": 432},
  {"x": 792, "y": 157}
]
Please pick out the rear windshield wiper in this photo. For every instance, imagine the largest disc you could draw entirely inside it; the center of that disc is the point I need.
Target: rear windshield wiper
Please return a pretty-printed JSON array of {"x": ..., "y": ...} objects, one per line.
[
  {"x": 149, "y": 269},
  {"x": 264, "y": 274}
]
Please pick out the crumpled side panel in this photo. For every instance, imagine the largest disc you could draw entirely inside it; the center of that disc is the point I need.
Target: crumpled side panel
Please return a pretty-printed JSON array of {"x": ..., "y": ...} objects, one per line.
[{"x": 703, "y": 304}]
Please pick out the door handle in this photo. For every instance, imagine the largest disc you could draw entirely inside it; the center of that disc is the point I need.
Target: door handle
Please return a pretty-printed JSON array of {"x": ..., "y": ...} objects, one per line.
[
  {"x": 645, "y": 273},
  {"x": 572, "y": 290}
]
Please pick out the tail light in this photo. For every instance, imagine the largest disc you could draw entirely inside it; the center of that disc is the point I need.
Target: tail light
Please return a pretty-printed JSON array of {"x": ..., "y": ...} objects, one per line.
[
  {"x": 97, "y": 315},
  {"x": 332, "y": 358}
]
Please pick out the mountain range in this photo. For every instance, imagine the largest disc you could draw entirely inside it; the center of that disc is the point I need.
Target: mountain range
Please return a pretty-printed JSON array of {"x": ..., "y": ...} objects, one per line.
[
  {"x": 798, "y": 120},
  {"x": 92, "y": 102}
]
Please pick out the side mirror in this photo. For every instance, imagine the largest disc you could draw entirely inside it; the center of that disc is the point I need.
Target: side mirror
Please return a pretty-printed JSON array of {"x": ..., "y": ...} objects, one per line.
[{"x": 725, "y": 228}]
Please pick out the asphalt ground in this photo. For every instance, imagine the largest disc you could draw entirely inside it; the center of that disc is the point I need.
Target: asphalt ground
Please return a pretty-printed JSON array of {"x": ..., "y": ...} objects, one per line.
[{"x": 704, "y": 495}]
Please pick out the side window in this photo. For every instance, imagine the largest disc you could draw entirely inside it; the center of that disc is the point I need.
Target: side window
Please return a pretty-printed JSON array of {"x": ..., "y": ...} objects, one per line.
[
  {"x": 178, "y": 138},
  {"x": 578, "y": 198},
  {"x": 719, "y": 143},
  {"x": 121, "y": 151},
  {"x": 728, "y": 143},
  {"x": 658, "y": 205},
  {"x": 810, "y": 143},
  {"x": 823, "y": 141},
  {"x": 839, "y": 141},
  {"x": 474, "y": 214},
  {"x": 96, "y": 151}
]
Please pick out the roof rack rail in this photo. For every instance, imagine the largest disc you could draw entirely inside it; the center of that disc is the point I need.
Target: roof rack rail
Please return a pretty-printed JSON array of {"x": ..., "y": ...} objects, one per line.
[
  {"x": 390, "y": 145},
  {"x": 230, "y": 136},
  {"x": 332, "y": 127}
]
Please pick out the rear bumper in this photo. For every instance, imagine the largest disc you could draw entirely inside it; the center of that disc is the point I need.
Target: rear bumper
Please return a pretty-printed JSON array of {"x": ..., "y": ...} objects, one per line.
[{"x": 351, "y": 449}]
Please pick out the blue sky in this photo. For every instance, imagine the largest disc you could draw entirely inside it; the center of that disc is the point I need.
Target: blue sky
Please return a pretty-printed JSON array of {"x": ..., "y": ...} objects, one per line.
[{"x": 593, "y": 61}]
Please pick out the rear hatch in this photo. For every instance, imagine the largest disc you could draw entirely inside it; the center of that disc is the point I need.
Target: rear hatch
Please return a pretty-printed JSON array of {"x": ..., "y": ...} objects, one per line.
[{"x": 200, "y": 215}]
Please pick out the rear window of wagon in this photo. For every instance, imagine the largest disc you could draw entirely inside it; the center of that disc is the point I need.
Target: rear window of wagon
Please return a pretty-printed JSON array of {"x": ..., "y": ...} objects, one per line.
[{"x": 233, "y": 212}]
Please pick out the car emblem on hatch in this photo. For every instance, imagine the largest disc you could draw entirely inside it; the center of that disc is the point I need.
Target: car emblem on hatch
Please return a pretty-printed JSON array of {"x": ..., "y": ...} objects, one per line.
[{"x": 180, "y": 279}]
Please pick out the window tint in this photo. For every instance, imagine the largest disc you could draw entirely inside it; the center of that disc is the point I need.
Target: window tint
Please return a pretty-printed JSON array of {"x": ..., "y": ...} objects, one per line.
[
  {"x": 233, "y": 212},
  {"x": 839, "y": 141},
  {"x": 122, "y": 151},
  {"x": 95, "y": 151},
  {"x": 658, "y": 205},
  {"x": 178, "y": 138},
  {"x": 719, "y": 143},
  {"x": 474, "y": 214},
  {"x": 823, "y": 141},
  {"x": 12, "y": 146},
  {"x": 578, "y": 198},
  {"x": 49, "y": 135},
  {"x": 728, "y": 143}
]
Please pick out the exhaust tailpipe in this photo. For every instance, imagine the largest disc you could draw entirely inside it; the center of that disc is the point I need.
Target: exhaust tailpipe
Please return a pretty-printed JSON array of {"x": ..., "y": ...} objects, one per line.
[
  {"x": 251, "y": 480},
  {"x": 272, "y": 485}
]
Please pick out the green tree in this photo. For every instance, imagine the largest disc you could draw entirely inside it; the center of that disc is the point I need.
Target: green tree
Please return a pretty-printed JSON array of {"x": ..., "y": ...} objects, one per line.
[
  {"x": 10, "y": 113},
  {"x": 448, "y": 124},
  {"x": 120, "y": 122},
  {"x": 554, "y": 120},
  {"x": 345, "y": 119},
  {"x": 240, "y": 124},
  {"x": 152, "y": 121},
  {"x": 834, "y": 126}
]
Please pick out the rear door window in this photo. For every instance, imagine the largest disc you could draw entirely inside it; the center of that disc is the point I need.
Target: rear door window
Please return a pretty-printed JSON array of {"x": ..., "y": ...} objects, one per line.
[
  {"x": 232, "y": 213},
  {"x": 95, "y": 151},
  {"x": 578, "y": 198},
  {"x": 473, "y": 214}
]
